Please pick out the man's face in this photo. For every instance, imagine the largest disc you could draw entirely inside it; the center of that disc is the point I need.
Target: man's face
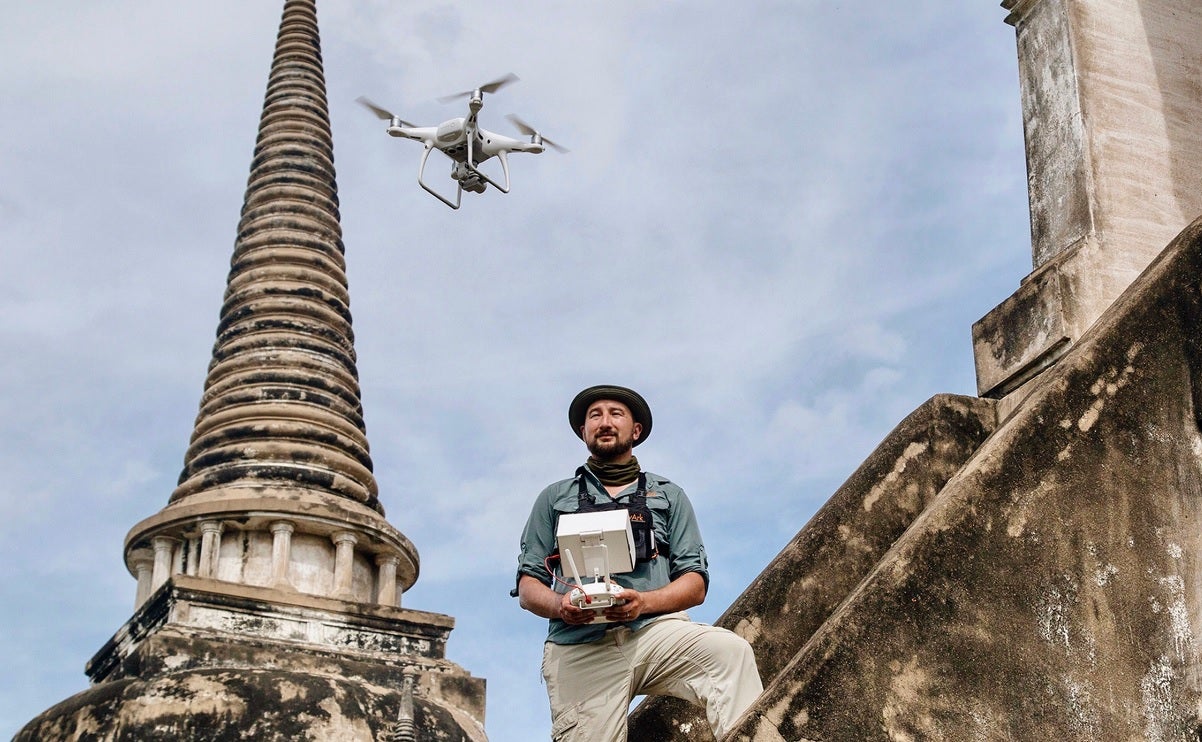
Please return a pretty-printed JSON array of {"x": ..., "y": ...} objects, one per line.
[{"x": 609, "y": 429}]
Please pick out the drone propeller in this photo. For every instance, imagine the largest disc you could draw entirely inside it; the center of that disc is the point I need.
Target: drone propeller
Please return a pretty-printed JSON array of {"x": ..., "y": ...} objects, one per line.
[
  {"x": 530, "y": 131},
  {"x": 382, "y": 113},
  {"x": 488, "y": 87}
]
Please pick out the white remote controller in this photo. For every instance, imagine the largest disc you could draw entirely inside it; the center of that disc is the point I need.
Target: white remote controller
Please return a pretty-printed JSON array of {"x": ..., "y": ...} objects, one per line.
[{"x": 597, "y": 596}]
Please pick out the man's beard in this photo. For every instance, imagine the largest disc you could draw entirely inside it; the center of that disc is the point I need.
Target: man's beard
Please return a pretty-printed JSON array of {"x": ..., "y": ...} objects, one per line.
[{"x": 611, "y": 450}]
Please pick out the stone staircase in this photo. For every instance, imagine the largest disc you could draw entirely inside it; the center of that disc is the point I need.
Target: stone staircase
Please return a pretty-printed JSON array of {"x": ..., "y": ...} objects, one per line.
[{"x": 831, "y": 555}]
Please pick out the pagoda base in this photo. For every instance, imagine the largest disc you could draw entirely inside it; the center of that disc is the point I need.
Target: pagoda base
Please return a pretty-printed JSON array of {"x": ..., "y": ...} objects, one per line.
[{"x": 220, "y": 661}]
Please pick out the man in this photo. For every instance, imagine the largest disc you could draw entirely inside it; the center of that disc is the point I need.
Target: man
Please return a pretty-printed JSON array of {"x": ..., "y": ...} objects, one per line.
[{"x": 593, "y": 669}]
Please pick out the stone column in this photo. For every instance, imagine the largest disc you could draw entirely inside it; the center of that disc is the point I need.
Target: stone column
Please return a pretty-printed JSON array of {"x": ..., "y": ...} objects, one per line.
[
  {"x": 142, "y": 561},
  {"x": 281, "y": 553},
  {"x": 192, "y": 562},
  {"x": 344, "y": 559},
  {"x": 210, "y": 547},
  {"x": 386, "y": 580},
  {"x": 164, "y": 548},
  {"x": 1110, "y": 108}
]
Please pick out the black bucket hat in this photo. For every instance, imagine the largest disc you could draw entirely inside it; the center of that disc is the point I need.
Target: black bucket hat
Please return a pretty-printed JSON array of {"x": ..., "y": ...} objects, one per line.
[{"x": 632, "y": 399}]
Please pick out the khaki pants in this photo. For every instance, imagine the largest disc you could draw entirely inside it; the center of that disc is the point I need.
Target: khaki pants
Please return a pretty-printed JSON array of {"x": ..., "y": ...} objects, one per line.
[{"x": 591, "y": 685}]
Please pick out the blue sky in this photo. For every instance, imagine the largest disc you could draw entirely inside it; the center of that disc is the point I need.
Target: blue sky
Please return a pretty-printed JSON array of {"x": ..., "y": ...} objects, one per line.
[{"x": 778, "y": 221}]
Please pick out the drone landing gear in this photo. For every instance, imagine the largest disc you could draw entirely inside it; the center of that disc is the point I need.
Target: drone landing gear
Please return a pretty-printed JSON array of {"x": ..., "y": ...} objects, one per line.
[
  {"x": 467, "y": 177},
  {"x": 421, "y": 171},
  {"x": 503, "y": 156}
]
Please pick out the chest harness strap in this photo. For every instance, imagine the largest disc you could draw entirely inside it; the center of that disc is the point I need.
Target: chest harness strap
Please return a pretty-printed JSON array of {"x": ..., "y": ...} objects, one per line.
[{"x": 641, "y": 524}]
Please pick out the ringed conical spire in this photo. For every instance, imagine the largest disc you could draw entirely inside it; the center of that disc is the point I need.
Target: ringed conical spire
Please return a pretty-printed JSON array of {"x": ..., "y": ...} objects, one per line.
[
  {"x": 281, "y": 403},
  {"x": 279, "y": 451}
]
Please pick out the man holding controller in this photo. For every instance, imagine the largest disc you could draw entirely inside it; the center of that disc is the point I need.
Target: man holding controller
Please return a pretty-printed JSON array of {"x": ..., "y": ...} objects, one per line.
[{"x": 647, "y": 645}]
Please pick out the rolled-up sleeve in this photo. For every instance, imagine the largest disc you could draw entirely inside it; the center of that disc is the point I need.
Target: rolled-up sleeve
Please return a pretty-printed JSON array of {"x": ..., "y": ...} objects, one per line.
[
  {"x": 686, "y": 551},
  {"x": 538, "y": 541}
]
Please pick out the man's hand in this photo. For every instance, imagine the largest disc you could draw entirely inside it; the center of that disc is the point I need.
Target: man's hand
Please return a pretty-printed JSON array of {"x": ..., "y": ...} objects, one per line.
[
  {"x": 573, "y": 616},
  {"x": 632, "y": 608},
  {"x": 543, "y": 601},
  {"x": 681, "y": 594}
]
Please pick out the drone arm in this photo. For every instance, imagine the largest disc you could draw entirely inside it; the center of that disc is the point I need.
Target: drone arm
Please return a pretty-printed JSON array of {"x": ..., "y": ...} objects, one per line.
[{"x": 421, "y": 171}]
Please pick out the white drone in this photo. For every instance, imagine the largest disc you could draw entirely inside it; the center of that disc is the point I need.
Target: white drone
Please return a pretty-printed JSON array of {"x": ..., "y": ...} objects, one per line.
[{"x": 466, "y": 143}]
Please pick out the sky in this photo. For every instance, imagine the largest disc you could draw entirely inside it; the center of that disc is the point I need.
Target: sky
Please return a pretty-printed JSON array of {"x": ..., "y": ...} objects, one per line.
[{"x": 778, "y": 221}]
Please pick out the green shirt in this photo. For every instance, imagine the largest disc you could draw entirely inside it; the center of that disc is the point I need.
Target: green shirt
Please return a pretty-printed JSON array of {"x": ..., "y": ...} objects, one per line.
[{"x": 674, "y": 523}]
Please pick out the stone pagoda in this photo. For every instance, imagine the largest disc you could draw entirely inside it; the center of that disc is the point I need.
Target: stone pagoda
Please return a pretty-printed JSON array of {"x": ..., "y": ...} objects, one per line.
[{"x": 269, "y": 588}]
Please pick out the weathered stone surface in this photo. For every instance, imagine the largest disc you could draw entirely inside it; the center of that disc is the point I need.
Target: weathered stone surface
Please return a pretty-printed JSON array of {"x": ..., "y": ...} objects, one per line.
[
  {"x": 1111, "y": 101},
  {"x": 1022, "y": 336},
  {"x": 825, "y": 561},
  {"x": 219, "y": 705},
  {"x": 204, "y": 609},
  {"x": 1051, "y": 589},
  {"x": 204, "y": 660}
]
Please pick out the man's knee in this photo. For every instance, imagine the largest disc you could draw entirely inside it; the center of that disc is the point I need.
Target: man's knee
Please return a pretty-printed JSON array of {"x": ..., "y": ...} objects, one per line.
[
  {"x": 743, "y": 648},
  {"x": 740, "y": 676},
  {"x": 739, "y": 684},
  {"x": 730, "y": 646}
]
